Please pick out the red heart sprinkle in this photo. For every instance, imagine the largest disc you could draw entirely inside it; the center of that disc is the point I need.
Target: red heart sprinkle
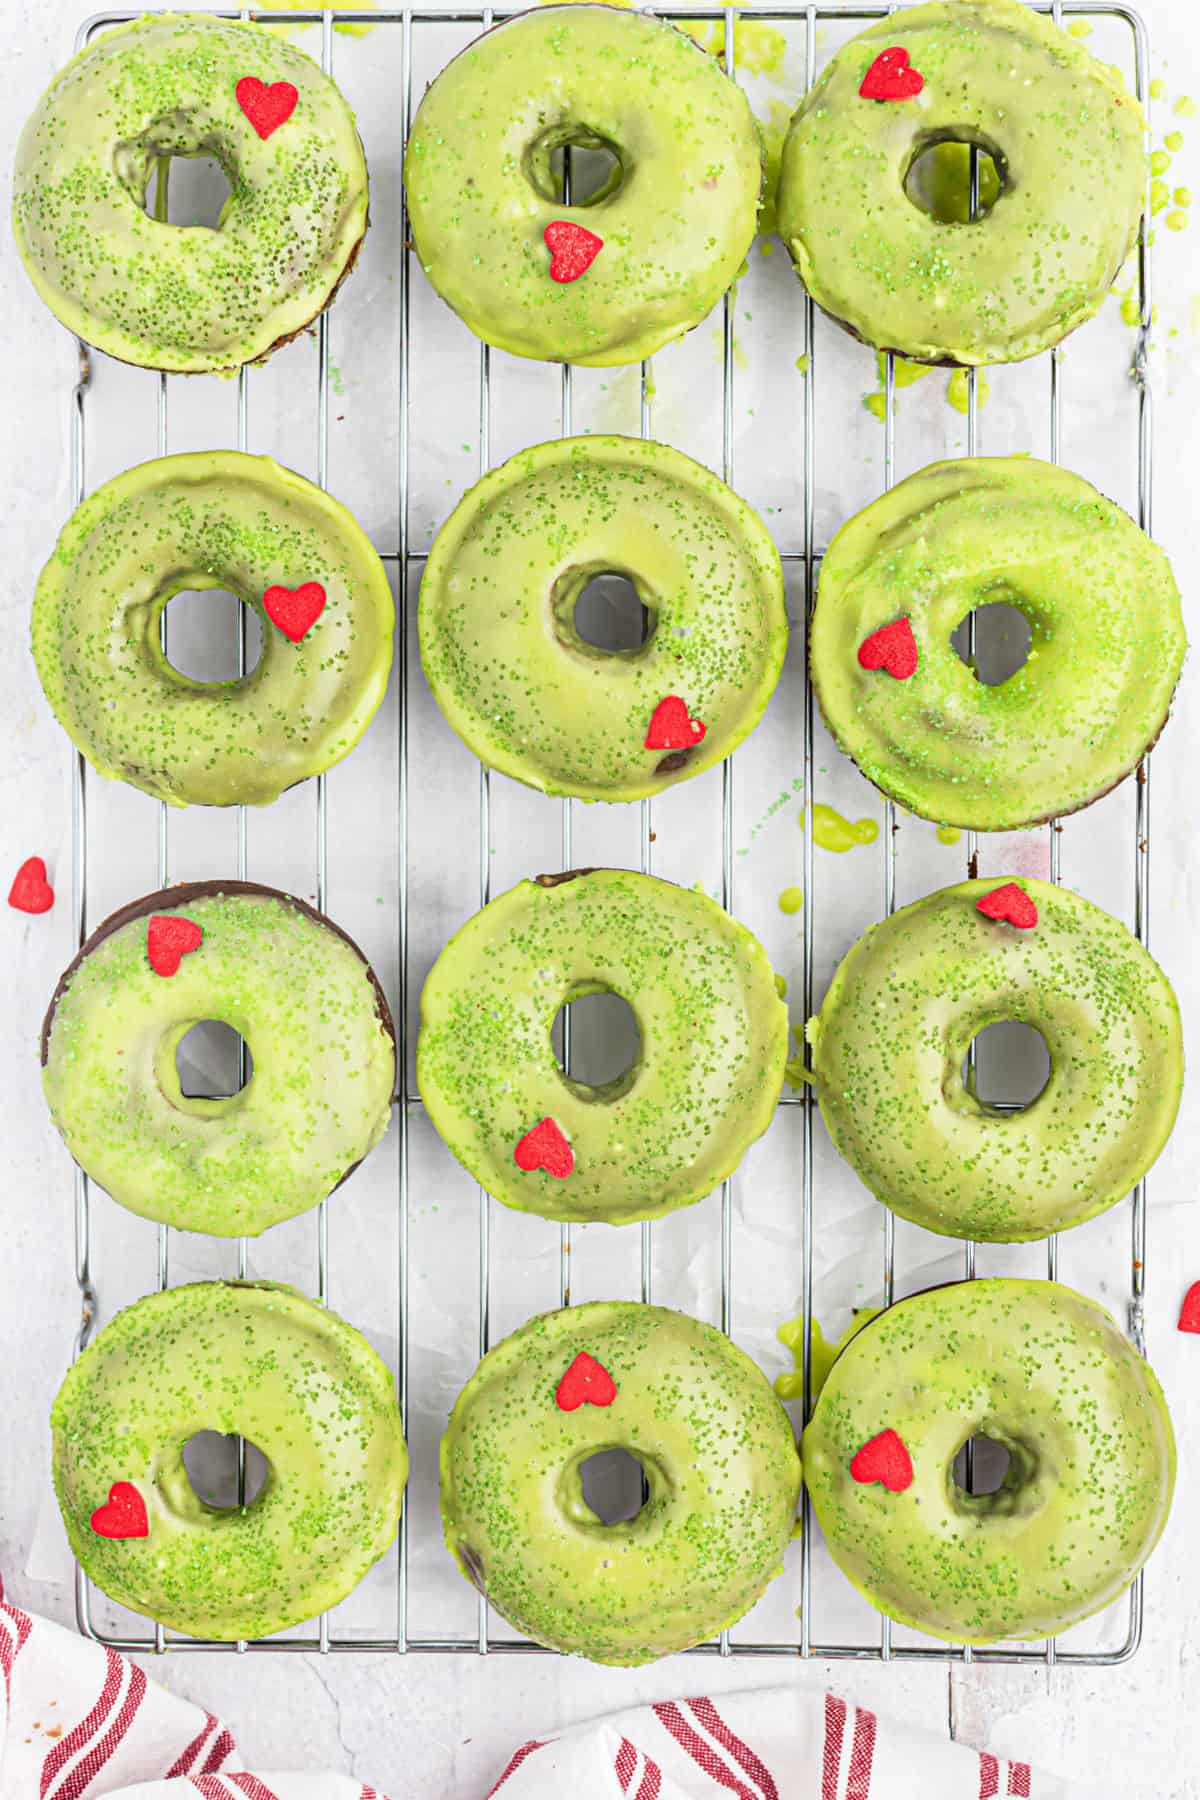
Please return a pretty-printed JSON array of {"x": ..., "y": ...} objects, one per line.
[
  {"x": 1009, "y": 905},
  {"x": 30, "y": 891},
  {"x": 572, "y": 249},
  {"x": 168, "y": 939},
  {"x": 1189, "y": 1312},
  {"x": 294, "y": 610},
  {"x": 267, "y": 108},
  {"x": 586, "y": 1379},
  {"x": 891, "y": 77},
  {"x": 670, "y": 727},
  {"x": 545, "y": 1147},
  {"x": 885, "y": 1458},
  {"x": 125, "y": 1514},
  {"x": 893, "y": 647}
]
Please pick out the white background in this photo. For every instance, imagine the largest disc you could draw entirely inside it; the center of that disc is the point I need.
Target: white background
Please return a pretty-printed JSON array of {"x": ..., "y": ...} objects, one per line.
[{"x": 1129, "y": 1730}]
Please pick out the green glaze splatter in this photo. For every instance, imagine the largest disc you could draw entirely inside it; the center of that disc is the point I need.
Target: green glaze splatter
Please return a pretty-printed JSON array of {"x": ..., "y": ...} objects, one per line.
[
  {"x": 292, "y": 1378},
  {"x": 498, "y": 640},
  {"x": 1039, "y": 1369},
  {"x": 1107, "y": 642},
  {"x": 713, "y": 1044},
  {"x": 721, "y": 1469},
  {"x": 481, "y": 193},
  {"x": 906, "y": 1002},
  {"x": 319, "y": 1097},
  {"x": 1045, "y": 256},
  {"x": 791, "y": 900},
  {"x": 790, "y": 1385},
  {"x": 832, "y": 832},
  {"x": 191, "y": 298},
  {"x": 213, "y": 519}
]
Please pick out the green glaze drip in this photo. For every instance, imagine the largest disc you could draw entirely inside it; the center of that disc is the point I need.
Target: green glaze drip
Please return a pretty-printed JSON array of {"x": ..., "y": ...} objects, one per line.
[
  {"x": 892, "y": 1035},
  {"x": 832, "y": 832},
  {"x": 1107, "y": 642},
  {"x": 498, "y": 641},
  {"x": 319, "y": 1097},
  {"x": 958, "y": 390},
  {"x": 1184, "y": 107},
  {"x": 187, "y": 298},
  {"x": 1047, "y": 1373},
  {"x": 1062, "y": 130},
  {"x": 948, "y": 834},
  {"x": 713, "y": 1044},
  {"x": 271, "y": 1365},
  {"x": 481, "y": 193},
  {"x": 214, "y": 519},
  {"x": 721, "y": 1469},
  {"x": 791, "y": 900},
  {"x": 790, "y": 1385}
]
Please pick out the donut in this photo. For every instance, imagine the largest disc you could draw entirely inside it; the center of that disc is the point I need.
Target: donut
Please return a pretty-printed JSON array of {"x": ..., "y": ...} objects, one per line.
[
  {"x": 510, "y": 671},
  {"x": 720, "y": 1470},
  {"x": 705, "y": 1082},
  {"x": 620, "y": 274},
  {"x": 213, "y": 519},
  {"x": 889, "y": 1044},
  {"x": 1042, "y": 1371},
  {"x": 313, "y": 1017},
  {"x": 189, "y": 298},
  {"x": 1107, "y": 642},
  {"x": 1066, "y": 140},
  {"x": 248, "y": 1358}
]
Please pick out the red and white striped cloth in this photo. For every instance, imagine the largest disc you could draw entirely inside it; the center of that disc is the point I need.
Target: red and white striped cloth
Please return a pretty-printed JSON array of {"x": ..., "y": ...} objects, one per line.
[
  {"x": 774, "y": 1744},
  {"x": 78, "y": 1722}
]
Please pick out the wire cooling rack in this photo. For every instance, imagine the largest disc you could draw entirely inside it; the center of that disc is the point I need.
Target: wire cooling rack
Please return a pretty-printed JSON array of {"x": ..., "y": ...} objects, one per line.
[{"x": 802, "y": 561}]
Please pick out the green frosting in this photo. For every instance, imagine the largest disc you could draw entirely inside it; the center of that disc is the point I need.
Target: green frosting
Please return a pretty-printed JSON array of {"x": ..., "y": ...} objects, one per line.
[
  {"x": 707, "y": 1079},
  {"x": 1107, "y": 642},
  {"x": 677, "y": 219},
  {"x": 271, "y": 1365},
  {"x": 889, "y": 1044},
  {"x": 498, "y": 640},
  {"x": 319, "y": 1096},
  {"x": 1066, "y": 140},
  {"x": 721, "y": 1474},
  {"x": 216, "y": 519},
  {"x": 187, "y": 298},
  {"x": 1046, "y": 1373}
]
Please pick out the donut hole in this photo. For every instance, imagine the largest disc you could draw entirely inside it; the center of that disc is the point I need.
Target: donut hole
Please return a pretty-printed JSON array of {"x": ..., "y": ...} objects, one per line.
[
  {"x": 1011, "y": 1065},
  {"x": 981, "y": 1466},
  {"x": 187, "y": 191},
  {"x": 597, "y": 1042},
  {"x": 614, "y": 1485},
  {"x": 209, "y": 635},
  {"x": 939, "y": 179},
  {"x": 569, "y": 165},
  {"x": 211, "y": 1461},
  {"x": 212, "y": 1061},
  {"x": 1003, "y": 638},
  {"x": 610, "y": 614}
]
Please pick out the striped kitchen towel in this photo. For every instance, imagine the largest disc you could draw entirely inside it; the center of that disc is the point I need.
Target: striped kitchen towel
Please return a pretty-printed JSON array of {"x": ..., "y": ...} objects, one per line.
[
  {"x": 78, "y": 1721},
  {"x": 780, "y": 1743}
]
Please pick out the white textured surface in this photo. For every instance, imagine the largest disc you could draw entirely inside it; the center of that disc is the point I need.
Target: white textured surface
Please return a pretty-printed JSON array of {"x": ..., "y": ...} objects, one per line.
[{"x": 1130, "y": 1730}]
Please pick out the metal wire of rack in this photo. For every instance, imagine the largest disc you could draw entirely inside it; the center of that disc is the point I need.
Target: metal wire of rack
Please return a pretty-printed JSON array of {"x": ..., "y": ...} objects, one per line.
[{"x": 806, "y": 559}]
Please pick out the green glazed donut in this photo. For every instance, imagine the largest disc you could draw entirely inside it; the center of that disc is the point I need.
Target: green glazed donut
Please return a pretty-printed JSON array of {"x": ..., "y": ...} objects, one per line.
[
  {"x": 675, "y": 221},
  {"x": 889, "y": 1043},
  {"x": 1106, "y": 649},
  {"x": 509, "y": 669},
  {"x": 721, "y": 1475},
  {"x": 313, "y": 1017},
  {"x": 248, "y": 1358},
  {"x": 1042, "y": 1371},
  {"x": 1067, "y": 143},
  {"x": 186, "y": 297},
  {"x": 664, "y": 1134},
  {"x": 215, "y": 519}
]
